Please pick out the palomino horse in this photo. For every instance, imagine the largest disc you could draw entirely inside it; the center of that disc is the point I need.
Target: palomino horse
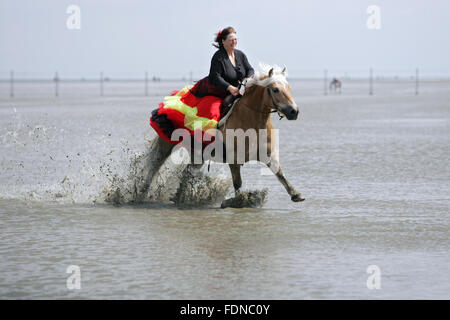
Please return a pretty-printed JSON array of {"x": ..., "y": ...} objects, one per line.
[{"x": 268, "y": 91}]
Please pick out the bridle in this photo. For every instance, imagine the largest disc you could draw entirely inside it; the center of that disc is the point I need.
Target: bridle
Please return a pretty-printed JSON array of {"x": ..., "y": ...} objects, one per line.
[{"x": 274, "y": 109}]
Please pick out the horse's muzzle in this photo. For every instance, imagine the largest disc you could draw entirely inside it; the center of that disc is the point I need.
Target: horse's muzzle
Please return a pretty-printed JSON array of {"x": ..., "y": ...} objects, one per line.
[{"x": 290, "y": 111}]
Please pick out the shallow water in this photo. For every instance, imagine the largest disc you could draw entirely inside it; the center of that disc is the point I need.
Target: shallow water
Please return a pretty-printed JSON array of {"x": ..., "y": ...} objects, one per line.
[{"x": 374, "y": 171}]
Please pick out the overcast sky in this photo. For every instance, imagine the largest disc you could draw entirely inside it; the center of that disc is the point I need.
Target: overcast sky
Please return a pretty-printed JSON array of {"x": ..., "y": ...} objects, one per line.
[{"x": 171, "y": 37}]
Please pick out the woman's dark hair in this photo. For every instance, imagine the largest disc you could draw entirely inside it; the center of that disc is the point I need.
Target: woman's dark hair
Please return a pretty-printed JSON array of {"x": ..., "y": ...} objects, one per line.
[{"x": 222, "y": 35}]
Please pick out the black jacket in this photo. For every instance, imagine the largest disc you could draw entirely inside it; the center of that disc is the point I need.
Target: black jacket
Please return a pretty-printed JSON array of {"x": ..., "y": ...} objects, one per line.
[{"x": 222, "y": 73}]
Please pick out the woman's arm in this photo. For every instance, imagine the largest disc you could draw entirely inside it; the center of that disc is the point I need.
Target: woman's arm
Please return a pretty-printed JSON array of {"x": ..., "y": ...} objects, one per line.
[
  {"x": 248, "y": 68},
  {"x": 215, "y": 74}
]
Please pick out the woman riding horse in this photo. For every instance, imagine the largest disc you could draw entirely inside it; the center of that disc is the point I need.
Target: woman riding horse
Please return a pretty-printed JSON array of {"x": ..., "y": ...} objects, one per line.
[
  {"x": 211, "y": 97},
  {"x": 229, "y": 66},
  {"x": 197, "y": 109},
  {"x": 266, "y": 92}
]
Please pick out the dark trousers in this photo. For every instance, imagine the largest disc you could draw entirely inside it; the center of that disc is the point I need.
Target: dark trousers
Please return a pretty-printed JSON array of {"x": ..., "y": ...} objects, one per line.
[{"x": 227, "y": 103}]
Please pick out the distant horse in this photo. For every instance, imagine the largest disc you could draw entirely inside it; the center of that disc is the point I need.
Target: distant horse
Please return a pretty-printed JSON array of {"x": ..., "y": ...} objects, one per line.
[
  {"x": 268, "y": 91},
  {"x": 336, "y": 85}
]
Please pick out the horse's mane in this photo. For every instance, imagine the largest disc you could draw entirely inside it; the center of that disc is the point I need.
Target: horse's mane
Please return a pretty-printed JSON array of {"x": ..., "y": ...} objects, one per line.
[{"x": 261, "y": 77}]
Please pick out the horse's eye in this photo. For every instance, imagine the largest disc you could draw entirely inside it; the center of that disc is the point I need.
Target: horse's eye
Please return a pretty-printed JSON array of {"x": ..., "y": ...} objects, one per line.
[{"x": 275, "y": 90}]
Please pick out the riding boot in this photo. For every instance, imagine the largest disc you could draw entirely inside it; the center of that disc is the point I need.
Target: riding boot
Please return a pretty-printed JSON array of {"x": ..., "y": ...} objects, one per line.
[{"x": 227, "y": 103}]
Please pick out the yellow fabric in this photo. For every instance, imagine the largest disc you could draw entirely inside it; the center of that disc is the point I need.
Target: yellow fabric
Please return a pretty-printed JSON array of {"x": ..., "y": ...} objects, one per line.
[{"x": 191, "y": 120}]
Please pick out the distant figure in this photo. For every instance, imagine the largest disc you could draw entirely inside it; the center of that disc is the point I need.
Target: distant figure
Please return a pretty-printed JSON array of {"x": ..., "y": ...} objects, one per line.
[{"x": 336, "y": 85}]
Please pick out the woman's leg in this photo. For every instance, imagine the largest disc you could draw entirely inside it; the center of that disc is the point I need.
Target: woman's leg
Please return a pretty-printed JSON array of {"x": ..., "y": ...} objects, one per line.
[{"x": 227, "y": 103}]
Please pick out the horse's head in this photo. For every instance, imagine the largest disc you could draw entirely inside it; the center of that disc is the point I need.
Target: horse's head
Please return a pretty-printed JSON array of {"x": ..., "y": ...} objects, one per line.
[{"x": 277, "y": 95}]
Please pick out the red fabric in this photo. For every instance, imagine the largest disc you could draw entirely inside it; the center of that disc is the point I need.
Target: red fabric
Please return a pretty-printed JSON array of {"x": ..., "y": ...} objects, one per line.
[
  {"x": 160, "y": 132},
  {"x": 208, "y": 107},
  {"x": 175, "y": 116},
  {"x": 205, "y": 88},
  {"x": 202, "y": 135}
]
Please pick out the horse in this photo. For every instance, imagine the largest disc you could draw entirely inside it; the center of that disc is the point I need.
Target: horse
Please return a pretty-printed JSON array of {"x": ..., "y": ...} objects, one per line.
[
  {"x": 336, "y": 84},
  {"x": 266, "y": 92}
]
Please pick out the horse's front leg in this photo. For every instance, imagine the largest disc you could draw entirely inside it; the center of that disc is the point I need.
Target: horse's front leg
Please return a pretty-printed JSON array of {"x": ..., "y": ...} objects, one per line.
[{"x": 275, "y": 167}]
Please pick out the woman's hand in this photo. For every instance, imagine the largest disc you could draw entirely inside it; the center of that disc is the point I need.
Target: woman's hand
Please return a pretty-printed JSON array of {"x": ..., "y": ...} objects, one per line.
[{"x": 233, "y": 90}]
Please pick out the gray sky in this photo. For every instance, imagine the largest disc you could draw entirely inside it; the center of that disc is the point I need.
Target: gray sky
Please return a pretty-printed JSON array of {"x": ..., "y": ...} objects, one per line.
[{"x": 171, "y": 38}]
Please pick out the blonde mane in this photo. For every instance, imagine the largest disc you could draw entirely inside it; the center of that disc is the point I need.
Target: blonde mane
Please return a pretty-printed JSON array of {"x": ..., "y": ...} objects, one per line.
[{"x": 261, "y": 77}]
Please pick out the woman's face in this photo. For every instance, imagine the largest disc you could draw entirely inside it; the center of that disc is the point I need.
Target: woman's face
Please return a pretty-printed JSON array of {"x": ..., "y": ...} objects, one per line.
[{"x": 230, "y": 42}]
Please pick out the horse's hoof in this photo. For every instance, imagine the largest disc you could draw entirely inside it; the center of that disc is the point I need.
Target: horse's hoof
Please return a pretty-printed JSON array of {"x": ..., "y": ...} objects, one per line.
[{"x": 297, "y": 197}]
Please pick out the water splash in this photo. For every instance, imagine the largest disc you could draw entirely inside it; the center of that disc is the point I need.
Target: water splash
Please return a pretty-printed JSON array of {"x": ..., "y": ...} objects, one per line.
[
  {"x": 153, "y": 177},
  {"x": 44, "y": 162},
  {"x": 247, "y": 199}
]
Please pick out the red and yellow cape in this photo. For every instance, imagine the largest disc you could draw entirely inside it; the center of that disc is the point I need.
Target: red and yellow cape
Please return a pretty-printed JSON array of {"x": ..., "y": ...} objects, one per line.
[{"x": 183, "y": 110}]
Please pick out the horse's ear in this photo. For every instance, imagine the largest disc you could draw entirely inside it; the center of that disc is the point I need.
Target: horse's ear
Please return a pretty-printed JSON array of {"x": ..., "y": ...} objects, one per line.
[
  {"x": 270, "y": 72},
  {"x": 283, "y": 71}
]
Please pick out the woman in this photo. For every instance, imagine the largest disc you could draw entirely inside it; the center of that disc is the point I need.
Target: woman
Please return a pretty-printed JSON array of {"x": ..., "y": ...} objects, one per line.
[
  {"x": 206, "y": 102},
  {"x": 229, "y": 66}
]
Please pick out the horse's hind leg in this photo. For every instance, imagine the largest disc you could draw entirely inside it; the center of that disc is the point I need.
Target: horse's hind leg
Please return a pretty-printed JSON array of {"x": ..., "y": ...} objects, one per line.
[
  {"x": 158, "y": 153},
  {"x": 196, "y": 160},
  {"x": 236, "y": 175},
  {"x": 276, "y": 169}
]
